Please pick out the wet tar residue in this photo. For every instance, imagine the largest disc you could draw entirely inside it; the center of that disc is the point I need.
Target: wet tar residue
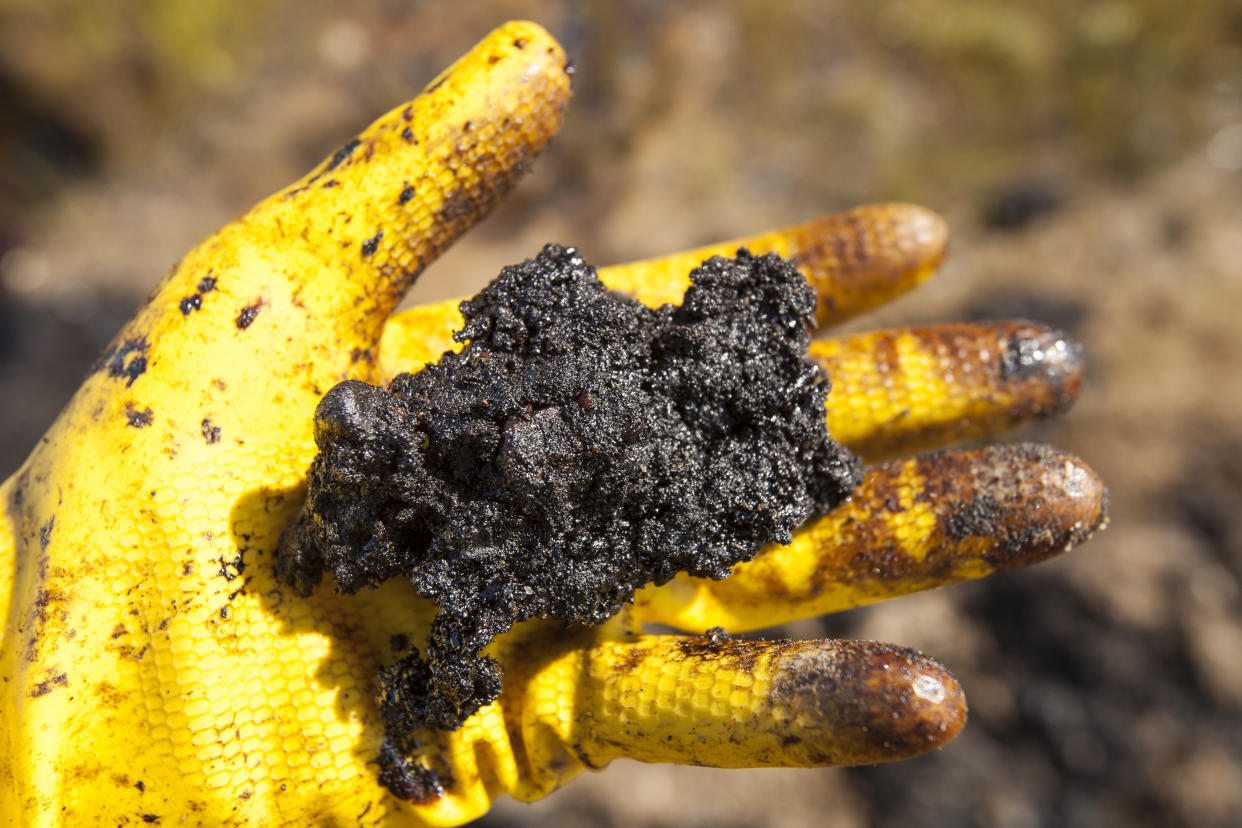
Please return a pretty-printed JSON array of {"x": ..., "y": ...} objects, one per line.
[{"x": 580, "y": 446}]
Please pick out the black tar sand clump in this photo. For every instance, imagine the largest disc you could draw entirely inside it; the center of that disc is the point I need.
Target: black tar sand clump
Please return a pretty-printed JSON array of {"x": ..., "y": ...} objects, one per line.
[{"x": 580, "y": 446}]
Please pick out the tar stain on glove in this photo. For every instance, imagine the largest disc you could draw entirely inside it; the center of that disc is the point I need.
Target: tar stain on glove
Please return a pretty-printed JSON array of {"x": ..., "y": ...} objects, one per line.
[{"x": 580, "y": 446}]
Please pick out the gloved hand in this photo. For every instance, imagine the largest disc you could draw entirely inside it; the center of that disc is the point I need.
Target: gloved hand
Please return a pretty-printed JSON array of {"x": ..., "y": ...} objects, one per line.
[{"x": 155, "y": 670}]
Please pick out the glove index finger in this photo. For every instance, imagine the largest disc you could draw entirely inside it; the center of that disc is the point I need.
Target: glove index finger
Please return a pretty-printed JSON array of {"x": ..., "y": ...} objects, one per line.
[{"x": 855, "y": 259}]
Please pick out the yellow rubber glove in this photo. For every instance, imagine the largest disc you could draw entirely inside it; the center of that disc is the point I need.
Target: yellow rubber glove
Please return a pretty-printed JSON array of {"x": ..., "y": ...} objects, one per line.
[{"x": 154, "y": 671}]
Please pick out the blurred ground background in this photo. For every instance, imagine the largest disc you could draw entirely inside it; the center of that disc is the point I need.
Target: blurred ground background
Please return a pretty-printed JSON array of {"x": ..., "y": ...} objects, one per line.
[{"x": 1087, "y": 154}]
